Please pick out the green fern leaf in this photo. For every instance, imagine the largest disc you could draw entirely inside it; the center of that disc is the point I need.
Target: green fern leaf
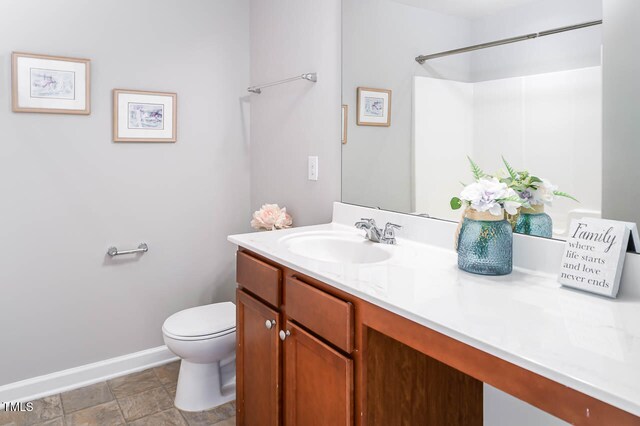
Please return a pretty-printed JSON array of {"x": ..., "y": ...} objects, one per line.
[
  {"x": 515, "y": 199},
  {"x": 510, "y": 169},
  {"x": 564, "y": 194},
  {"x": 476, "y": 170}
]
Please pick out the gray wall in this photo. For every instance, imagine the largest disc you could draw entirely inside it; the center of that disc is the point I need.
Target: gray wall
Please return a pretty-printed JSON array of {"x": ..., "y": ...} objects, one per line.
[
  {"x": 382, "y": 38},
  {"x": 564, "y": 51},
  {"x": 68, "y": 192},
  {"x": 293, "y": 121},
  {"x": 621, "y": 121}
]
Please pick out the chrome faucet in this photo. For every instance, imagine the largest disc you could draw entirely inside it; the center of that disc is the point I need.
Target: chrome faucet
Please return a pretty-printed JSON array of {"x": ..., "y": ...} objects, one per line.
[
  {"x": 373, "y": 233},
  {"x": 377, "y": 235},
  {"x": 389, "y": 235}
]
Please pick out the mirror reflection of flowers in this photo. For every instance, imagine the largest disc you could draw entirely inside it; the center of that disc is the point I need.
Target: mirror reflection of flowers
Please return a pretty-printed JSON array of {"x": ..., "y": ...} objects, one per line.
[
  {"x": 488, "y": 194},
  {"x": 271, "y": 217},
  {"x": 532, "y": 190}
]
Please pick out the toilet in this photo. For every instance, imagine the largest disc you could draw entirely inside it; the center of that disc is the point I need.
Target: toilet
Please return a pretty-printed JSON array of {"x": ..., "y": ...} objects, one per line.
[{"x": 204, "y": 338}]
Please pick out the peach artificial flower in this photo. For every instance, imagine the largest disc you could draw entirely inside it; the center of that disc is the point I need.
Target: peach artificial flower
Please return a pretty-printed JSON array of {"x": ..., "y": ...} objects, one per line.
[{"x": 271, "y": 217}]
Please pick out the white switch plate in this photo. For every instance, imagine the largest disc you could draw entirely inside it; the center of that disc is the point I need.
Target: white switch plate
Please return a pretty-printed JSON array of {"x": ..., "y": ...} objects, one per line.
[{"x": 313, "y": 168}]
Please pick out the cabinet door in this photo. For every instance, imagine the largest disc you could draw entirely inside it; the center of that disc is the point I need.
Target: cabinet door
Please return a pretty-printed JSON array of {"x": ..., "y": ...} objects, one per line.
[
  {"x": 257, "y": 363},
  {"x": 318, "y": 382}
]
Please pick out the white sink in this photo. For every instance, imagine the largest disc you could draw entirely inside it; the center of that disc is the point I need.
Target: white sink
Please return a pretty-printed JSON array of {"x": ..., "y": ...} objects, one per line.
[{"x": 336, "y": 247}]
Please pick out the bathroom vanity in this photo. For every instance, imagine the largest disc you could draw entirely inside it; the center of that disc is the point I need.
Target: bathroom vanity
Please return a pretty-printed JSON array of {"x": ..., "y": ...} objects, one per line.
[{"x": 398, "y": 333}]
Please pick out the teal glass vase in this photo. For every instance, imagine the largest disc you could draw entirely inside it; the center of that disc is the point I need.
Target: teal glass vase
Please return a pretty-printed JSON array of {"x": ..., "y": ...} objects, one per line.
[
  {"x": 485, "y": 244},
  {"x": 535, "y": 222}
]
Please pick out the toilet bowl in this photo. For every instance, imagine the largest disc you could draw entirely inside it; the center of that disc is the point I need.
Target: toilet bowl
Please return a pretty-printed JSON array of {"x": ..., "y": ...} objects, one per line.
[{"x": 204, "y": 338}]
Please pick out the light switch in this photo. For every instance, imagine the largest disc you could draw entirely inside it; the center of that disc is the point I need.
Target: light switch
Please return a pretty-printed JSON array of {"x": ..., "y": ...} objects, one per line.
[{"x": 313, "y": 168}]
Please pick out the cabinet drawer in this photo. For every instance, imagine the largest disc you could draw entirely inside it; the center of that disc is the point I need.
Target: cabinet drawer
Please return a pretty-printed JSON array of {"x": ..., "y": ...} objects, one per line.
[
  {"x": 324, "y": 314},
  {"x": 259, "y": 278}
]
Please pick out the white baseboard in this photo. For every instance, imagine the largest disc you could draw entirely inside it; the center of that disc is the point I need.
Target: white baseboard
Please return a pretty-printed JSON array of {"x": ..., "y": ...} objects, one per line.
[{"x": 77, "y": 377}]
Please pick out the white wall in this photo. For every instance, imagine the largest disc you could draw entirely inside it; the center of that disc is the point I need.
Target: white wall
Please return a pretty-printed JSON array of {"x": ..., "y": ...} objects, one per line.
[
  {"x": 502, "y": 409},
  {"x": 293, "y": 121},
  {"x": 68, "y": 192},
  {"x": 621, "y": 123},
  {"x": 382, "y": 39}
]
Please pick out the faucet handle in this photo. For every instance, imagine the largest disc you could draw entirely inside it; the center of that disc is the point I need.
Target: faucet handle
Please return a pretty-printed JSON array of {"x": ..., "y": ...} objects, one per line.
[
  {"x": 389, "y": 230},
  {"x": 371, "y": 222},
  {"x": 390, "y": 225}
]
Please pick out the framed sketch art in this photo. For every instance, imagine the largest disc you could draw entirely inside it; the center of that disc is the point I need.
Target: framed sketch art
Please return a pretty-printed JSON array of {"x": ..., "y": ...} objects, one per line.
[
  {"x": 140, "y": 116},
  {"x": 374, "y": 107},
  {"x": 50, "y": 84}
]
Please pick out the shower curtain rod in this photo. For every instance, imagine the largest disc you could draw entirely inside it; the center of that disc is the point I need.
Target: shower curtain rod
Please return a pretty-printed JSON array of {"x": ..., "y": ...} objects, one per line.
[{"x": 423, "y": 58}]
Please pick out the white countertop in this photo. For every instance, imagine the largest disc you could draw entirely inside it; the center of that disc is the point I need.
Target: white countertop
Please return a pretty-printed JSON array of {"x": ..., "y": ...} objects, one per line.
[{"x": 585, "y": 342}]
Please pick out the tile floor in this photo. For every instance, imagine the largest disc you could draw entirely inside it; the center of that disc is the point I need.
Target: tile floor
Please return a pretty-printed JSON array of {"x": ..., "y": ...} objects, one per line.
[{"x": 139, "y": 399}]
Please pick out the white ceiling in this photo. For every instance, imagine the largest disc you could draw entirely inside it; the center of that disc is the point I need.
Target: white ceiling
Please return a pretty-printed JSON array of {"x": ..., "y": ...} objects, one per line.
[{"x": 465, "y": 8}]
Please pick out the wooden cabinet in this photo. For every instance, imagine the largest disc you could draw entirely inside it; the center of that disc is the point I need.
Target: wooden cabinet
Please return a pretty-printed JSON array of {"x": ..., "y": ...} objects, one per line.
[
  {"x": 257, "y": 363},
  {"x": 318, "y": 381},
  {"x": 345, "y": 361},
  {"x": 293, "y": 350}
]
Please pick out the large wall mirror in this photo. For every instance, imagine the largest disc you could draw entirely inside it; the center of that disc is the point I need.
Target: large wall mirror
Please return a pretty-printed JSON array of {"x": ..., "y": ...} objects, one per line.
[{"x": 538, "y": 103}]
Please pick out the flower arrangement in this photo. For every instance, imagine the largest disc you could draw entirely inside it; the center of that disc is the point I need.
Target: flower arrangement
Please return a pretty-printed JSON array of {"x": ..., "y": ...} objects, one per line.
[
  {"x": 532, "y": 190},
  {"x": 484, "y": 237},
  {"x": 271, "y": 217},
  {"x": 487, "y": 194},
  {"x": 495, "y": 207}
]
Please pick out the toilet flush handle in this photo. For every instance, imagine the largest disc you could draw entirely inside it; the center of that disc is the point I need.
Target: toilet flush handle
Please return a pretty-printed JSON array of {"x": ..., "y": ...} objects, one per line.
[{"x": 269, "y": 324}]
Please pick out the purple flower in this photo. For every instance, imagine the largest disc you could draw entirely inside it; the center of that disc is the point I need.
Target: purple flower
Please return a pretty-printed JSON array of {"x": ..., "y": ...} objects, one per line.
[{"x": 526, "y": 195}]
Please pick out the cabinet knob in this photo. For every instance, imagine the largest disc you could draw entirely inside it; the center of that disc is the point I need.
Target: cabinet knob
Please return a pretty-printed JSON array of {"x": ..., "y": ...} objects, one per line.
[
  {"x": 284, "y": 334},
  {"x": 269, "y": 324}
]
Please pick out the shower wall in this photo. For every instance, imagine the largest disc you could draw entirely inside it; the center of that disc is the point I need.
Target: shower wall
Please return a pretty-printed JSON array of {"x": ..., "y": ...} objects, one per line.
[{"x": 549, "y": 124}]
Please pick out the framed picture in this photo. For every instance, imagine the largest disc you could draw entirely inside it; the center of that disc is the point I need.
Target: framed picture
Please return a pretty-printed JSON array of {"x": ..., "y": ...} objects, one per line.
[
  {"x": 140, "y": 116},
  {"x": 374, "y": 107},
  {"x": 50, "y": 84},
  {"x": 345, "y": 116}
]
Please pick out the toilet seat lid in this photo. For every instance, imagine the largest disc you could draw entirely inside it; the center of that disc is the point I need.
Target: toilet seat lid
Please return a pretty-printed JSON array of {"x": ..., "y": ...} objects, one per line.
[{"x": 202, "y": 320}]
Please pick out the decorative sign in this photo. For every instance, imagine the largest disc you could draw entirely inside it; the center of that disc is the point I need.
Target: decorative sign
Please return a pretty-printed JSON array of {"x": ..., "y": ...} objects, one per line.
[{"x": 594, "y": 254}]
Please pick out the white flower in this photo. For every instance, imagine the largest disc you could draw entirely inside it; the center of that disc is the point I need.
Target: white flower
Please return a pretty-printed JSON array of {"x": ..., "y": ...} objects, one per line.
[
  {"x": 512, "y": 207},
  {"x": 490, "y": 195},
  {"x": 543, "y": 194}
]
